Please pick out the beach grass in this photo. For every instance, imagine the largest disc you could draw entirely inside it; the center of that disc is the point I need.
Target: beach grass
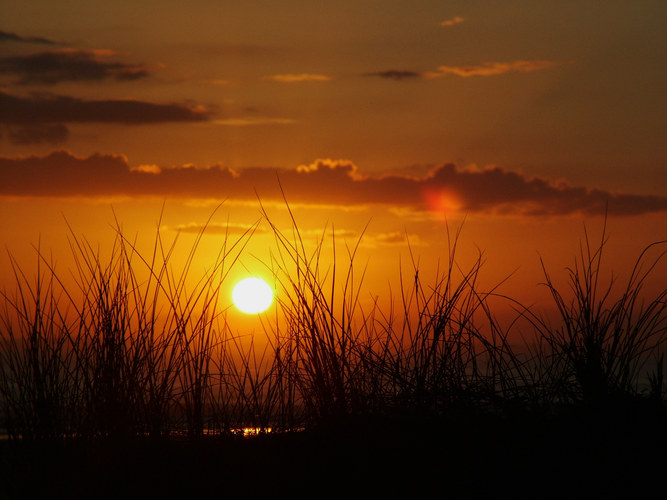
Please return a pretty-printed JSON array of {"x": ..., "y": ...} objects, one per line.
[{"x": 134, "y": 353}]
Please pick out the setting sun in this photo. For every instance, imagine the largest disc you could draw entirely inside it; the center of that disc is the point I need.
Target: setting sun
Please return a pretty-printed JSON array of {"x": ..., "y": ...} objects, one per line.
[{"x": 252, "y": 295}]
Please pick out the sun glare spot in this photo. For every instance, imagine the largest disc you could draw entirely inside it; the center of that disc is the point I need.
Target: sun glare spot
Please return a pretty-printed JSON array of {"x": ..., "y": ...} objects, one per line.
[
  {"x": 441, "y": 202},
  {"x": 252, "y": 295}
]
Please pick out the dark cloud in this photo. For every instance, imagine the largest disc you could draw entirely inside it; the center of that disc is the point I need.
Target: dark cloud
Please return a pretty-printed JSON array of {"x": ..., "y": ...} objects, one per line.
[
  {"x": 70, "y": 65},
  {"x": 446, "y": 188},
  {"x": 50, "y": 108},
  {"x": 394, "y": 74},
  {"x": 61, "y": 174},
  {"x": 38, "y": 133},
  {"x": 13, "y": 37}
]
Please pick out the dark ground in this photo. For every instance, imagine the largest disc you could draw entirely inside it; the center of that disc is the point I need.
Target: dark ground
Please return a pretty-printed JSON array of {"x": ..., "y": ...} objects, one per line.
[{"x": 579, "y": 454}]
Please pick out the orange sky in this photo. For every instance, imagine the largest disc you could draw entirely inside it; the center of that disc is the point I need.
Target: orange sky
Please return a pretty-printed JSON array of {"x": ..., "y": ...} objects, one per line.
[{"x": 527, "y": 119}]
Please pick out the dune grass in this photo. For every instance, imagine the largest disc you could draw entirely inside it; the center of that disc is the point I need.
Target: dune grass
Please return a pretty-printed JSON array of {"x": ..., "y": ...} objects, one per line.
[
  {"x": 605, "y": 339},
  {"x": 126, "y": 352},
  {"x": 134, "y": 350}
]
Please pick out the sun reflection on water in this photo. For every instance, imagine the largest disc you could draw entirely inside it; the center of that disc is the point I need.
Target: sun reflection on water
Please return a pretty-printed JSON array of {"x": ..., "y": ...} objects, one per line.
[{"x": 252, "y": 431}]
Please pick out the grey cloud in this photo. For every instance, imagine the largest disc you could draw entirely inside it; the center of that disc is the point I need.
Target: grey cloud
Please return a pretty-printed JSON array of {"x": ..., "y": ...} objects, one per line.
[
  {"x": 51, "y": 108},
  {"x": 38, "y": 133},
  {"x": 13, "y": 37},
  {"x": 393, "y": 74},
  {"x": 324, "y": 182},
  {"x": 69, "y": 65}
]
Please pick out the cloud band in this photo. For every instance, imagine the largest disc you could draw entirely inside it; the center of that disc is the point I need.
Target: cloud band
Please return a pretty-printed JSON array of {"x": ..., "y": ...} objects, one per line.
[{"x": 445, "y": 188}]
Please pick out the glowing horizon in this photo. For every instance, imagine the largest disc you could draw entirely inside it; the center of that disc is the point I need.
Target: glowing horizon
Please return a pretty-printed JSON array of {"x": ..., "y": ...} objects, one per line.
[{"x": 379, "y": 128}]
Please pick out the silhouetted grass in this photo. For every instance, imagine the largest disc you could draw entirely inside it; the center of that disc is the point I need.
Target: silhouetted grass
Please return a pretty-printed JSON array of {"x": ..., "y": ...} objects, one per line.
[
  {"x": 120, "y": 354},
  {"x": 138, "y": 348},
  {"x": 599, "y": 349},
  {"x": 324, "y": 348}
]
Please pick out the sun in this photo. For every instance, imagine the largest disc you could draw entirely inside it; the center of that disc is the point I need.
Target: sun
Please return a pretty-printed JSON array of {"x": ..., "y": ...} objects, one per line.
[{"x": 252, "y": 295}]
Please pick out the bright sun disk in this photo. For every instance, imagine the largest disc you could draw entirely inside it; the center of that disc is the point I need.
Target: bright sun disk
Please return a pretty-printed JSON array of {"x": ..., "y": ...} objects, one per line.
[{"x": 252, "y": 295}]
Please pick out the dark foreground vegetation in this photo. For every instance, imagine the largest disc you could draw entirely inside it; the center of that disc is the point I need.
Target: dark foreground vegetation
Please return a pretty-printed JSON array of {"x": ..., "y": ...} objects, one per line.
[
  {"x": 132, "y": 384},
  {"x": 573, "y": 456}
]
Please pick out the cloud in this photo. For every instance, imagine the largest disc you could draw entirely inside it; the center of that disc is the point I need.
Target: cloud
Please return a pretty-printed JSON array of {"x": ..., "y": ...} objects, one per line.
[
  {"x": 51, "y": 108},
  {"x": 367, "y": 239},
  {"x": 396, "y": 238},
  {"x": 13, "y": 37},
  {"x": 297, "y": 78},
  {"x": 318, "y": 234},
  {"x": 492, "y": 68},
  {"x": 229, "y": 228},
  {"x": 38, "y": 133},
  {"x": 70, "y": 65},
  {"x": 485, "y": 69},
  {"x": 452, "y": 22},
  {"x": 447, "y": 188},
  {"x": 394, "y": 74}
]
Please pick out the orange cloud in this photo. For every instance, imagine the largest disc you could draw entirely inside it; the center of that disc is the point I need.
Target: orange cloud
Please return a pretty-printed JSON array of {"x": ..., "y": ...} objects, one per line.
[
  {"x": 485, "y": 69},
  {"x": 296, "y": 78},
  {"x": 452, "y": 22},
  {"x": 492, "y": 68},
  {"x": 396, "y": 238},
  {"x": 229, "y": 228},
  {"x": 147, "y": 169},
  {"x": 447, "y": 188},
  {"x": 323, "y": 164}
]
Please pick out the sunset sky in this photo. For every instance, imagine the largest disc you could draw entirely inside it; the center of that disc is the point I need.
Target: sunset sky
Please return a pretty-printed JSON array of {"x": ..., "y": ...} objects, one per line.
[{"x": 529, "y": 119}]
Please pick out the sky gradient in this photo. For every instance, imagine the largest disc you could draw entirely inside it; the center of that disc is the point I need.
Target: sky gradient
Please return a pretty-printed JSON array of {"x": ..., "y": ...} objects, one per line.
[{"x": 526, "y": 119}]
